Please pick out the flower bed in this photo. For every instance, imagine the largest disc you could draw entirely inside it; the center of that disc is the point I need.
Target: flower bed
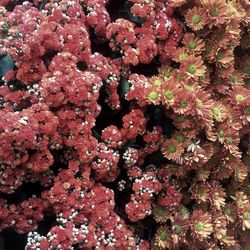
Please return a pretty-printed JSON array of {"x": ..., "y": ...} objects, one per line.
[{"x": 125, "y": 124}]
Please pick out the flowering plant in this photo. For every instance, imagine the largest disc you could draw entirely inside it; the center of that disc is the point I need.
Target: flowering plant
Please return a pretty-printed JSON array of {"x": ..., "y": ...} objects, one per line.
[{"x": 125, "y": 129}]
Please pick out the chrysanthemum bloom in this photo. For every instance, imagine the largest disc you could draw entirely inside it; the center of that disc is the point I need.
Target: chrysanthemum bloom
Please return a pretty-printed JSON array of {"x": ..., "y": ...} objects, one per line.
[
  {"x": 240, "y": 170},
  {"x": 217, "y": 12},
  {"x": 219, "y": 112},
  {"x": 168, "y": 92},
  {"x": 217, "y": 195},
  {"x": 236, "y": 79},
  {"x": 220, "y": 224},
  {"x": 240, "y": 96},
  {"x": 230, "y": 212},
  {"x": 156, "y": 81},
  {"x": 210, "y": 133},
  {"x": 183, "y": 212},
  {"x": 221, "y": 132},
  {"x": 183, "y": 103},
  {"x": 194, "y": 145},
  {"x": 201, "y": 225},
  {"x": 182, "y": 138},
  {"x": 210, "y": 50},
  {"x": 209, "y": 149},
  {"x": 162, "y": 238},
  {"x": 190, "y": 86},
  {"x": 160, "y": 214},
  {"x": 182, "y": 121},
  {"x": 220, "y": 38},
  {"x": 222, "y": 74},
  {"x": 228, "y": 240},
  {"x": 180, "y": 54},
  {"x": 165, "y": 71},
  {"x": 171, "y": 149},
  {"x": 233, "y": 31},
  {"x": 224, "y": 58},
  {"x": 204, "y": 80},
  {"x": 203, "y": 106},
  {"x": 202, "y": 173},
  {"x": 200, "y": 192},
  {"x": 193, "y": 43},
  {"x": 196, "y": 18},
  {"x": 179, "y": 228},
  {"x": 231, "y": 142},
  {"x": 246, "y": 7},
  {"x": 244, "y": 216},
  {"x": 198, "y": 155},
  {"x": 178, "y": 76},
  {"x": 170, "y": 197},
  {"x": 193, "y": 67},
  {"x": 236, "y": 9},
  {"x": 152, "y": 94},
  {"x": 246, "y": 114},
  {"x": 241, "y": 199}
]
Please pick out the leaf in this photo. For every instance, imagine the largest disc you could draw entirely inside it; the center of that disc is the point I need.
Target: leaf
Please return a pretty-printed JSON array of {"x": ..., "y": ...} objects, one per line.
[
  {"x": 96, "y": 135},
  {"x": 6, "y": 64},
  {"x": 124, "y": 87}
]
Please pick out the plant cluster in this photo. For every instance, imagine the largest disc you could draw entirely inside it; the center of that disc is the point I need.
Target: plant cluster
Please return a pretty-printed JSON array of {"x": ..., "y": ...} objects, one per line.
[{"x": 120, "y": 158}]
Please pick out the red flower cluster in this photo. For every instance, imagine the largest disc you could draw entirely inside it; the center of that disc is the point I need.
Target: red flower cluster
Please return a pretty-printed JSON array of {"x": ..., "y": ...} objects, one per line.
[
  {"x": 23, "y": 217},
  {"x": 145, "y": 187},
  {"x": 158, "y": 35}
]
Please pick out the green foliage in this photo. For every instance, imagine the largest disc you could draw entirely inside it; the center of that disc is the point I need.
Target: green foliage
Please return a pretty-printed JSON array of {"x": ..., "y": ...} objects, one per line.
[{"x": 6, "y": 64}]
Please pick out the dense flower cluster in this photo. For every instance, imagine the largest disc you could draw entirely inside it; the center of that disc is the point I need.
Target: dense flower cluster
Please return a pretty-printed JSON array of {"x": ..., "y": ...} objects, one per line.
[
  {"x": 122, "y": 158},
  {"x": 159, "y": 33}
]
